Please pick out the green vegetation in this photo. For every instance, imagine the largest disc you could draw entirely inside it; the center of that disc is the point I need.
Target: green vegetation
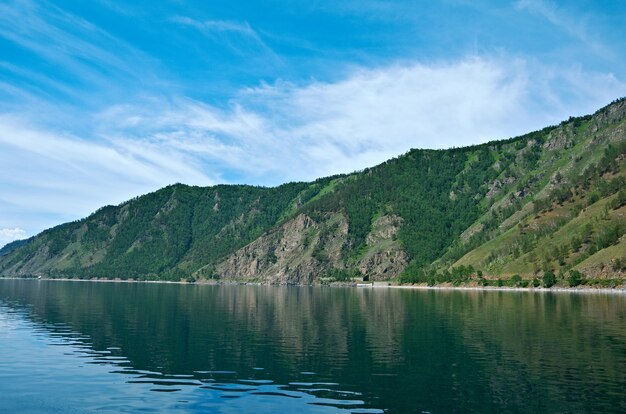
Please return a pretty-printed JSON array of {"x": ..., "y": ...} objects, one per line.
[
  {"x": 575, "y": 278},
  {"x": 501, "y": 213},
  {"x": 8, "y": 248},
  {"x": 549, "y": 279}
]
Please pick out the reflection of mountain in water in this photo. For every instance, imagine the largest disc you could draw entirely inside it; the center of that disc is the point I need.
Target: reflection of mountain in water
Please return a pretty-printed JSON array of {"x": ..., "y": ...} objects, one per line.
[
  {"x": 544, "y": 349},
  {"x": 399, "y": 349}
]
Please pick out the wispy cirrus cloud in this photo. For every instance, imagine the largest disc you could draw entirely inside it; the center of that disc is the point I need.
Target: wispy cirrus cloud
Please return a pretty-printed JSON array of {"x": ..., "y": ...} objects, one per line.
[
  {"x": 217, "y": 26},
  {"x": 224, "y": 31},
  {"x": 79, "y": 56},
  {"x": 575, "y": 26}
]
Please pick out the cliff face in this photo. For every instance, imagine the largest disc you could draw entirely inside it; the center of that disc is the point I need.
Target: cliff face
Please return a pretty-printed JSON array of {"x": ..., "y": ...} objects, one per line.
[
  {"x": 298, "y": 252},
  {"x": 553, "y": 199},
  {"x": 303, "y": 251},
  {"x": 384, "y": 257}
]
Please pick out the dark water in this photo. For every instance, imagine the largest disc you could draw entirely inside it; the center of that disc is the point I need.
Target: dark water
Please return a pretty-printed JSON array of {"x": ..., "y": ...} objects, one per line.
[{"x": 72, "y": 347}]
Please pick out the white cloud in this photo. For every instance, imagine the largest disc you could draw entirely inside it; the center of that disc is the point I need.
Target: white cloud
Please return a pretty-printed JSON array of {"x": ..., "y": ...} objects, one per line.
[
  {"x": 216, "y": 25},
  {"x": 274, "y": 133},
  {"x": 8, "y": 235}
]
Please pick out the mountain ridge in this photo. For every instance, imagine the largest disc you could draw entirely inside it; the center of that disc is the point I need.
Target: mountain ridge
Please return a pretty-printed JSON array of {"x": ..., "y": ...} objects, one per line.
[{"x": 460, "y": 215}]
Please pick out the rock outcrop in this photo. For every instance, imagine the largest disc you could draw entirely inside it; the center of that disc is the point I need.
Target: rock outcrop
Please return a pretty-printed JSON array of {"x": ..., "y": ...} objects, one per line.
[{"x": 298, "y": 252}]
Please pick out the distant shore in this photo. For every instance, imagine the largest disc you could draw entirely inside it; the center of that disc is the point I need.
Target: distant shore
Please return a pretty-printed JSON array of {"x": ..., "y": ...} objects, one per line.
[
  {"x": 65, "y": 279},
  {"x": 365, "y": 285},
  {"x": 577, "y": 289}
]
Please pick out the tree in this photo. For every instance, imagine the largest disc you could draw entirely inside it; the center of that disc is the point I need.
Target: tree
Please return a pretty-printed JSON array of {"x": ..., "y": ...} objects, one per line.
[
  {"x": 575, "y": 278},
  {"x": 516, "y": 280},
  {"x": 549, "y": 279}
]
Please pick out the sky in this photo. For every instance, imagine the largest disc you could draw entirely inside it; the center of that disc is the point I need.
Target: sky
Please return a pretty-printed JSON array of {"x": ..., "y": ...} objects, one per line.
[{"x": 103, "y": 100}]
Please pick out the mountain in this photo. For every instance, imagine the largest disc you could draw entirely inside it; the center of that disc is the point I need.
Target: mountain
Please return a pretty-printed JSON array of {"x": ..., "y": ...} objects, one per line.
[{"x": 551, "y": 201}]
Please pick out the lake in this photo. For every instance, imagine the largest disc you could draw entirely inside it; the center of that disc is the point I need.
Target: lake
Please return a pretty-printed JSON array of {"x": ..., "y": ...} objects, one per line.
[{"x": 73, "y": 347}]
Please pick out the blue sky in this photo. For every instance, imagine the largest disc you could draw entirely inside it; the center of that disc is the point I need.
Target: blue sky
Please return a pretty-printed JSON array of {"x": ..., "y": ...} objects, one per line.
[{"x": 104, "y": 100}]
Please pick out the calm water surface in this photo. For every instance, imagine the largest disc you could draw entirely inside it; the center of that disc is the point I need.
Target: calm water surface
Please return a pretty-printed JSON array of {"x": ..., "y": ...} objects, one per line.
[{"x": 72, "y": 347}]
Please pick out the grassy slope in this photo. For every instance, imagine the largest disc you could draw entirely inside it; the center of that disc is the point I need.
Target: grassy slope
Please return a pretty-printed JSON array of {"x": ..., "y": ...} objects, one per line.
[{"x": 561, "y": 221}]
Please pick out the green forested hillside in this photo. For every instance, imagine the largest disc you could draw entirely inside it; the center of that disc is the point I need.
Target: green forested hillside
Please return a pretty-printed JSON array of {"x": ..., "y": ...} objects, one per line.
[
  {"x": 159, "y": 235},
  {"x": 549, "y": 202}
]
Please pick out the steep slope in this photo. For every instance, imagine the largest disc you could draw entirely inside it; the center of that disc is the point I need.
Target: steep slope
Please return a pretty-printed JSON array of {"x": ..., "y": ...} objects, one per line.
[
  {"x": 551, "y": 200},
  {"x": 576, "y": 219}
]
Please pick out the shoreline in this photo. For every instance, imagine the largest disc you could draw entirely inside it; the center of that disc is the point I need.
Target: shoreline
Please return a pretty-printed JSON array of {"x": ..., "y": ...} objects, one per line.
[{"x": 558, "y": 289}]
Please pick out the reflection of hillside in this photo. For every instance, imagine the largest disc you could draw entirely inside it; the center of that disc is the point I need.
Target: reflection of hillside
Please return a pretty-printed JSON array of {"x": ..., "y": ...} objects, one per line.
[
  {"x": 552, "y": 342},
  {"x": 385, "y": 314},
  {"x": 188, "y": 328},
  {"x": 405, "y": 349}
]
